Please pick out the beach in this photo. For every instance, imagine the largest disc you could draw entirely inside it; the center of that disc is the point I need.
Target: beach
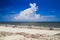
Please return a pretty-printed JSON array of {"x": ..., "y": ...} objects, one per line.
[{"x": 11, "y": 33}]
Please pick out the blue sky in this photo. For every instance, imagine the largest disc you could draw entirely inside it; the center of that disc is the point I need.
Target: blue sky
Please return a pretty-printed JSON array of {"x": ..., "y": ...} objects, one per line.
[{"x": 21, "y": 10}]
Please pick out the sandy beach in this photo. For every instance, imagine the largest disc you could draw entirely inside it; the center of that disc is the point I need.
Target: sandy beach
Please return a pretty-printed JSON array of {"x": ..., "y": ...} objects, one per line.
[{"x": 10, "y": 33}]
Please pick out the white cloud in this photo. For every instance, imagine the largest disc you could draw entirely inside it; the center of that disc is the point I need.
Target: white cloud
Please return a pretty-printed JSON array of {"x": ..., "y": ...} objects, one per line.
[{"x": 30, "y": 14}]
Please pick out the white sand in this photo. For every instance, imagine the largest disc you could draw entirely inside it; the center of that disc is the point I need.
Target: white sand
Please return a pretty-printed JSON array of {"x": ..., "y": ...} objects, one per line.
[
  {"x": 30, "y": 31},
  {"x": 25, "y": 30},
  {"x": 13, "y": 37}
]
